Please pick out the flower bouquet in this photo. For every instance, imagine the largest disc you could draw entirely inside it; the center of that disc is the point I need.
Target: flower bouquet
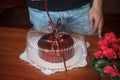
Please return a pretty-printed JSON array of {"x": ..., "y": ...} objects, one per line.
[{"x": 106, "y": 59}]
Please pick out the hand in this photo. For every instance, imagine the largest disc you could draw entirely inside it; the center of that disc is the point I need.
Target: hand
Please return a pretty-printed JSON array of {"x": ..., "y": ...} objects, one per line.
[{"x": 96, "y": 19}]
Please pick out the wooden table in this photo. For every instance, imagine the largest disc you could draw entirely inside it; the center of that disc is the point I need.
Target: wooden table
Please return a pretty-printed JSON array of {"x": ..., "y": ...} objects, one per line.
[
  {"x": 13, "y": 43},
  {"x": 11, "y": 3}
]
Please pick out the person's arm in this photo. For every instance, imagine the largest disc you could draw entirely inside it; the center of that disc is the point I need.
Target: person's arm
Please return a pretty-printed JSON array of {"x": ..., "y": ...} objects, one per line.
[{"x": 96, "y": 17}]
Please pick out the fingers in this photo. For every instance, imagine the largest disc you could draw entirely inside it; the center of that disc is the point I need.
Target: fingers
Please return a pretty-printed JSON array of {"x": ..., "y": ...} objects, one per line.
[
  {"x": 91, "y": 21},
  {"x": 96, "y": 23},
  {"x": 100, "y": 28}
]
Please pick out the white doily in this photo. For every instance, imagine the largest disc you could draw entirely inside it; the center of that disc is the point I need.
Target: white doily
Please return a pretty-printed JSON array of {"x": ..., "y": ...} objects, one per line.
[{"x": 31, "y": 56}]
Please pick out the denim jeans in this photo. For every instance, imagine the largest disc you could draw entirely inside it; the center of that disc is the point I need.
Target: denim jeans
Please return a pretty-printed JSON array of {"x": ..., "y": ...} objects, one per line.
[{"x": 75, "y": 20}]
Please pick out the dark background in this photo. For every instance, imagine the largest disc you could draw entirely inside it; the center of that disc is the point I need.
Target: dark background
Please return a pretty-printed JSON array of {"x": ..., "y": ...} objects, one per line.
[{"x": 13, "y": 13}]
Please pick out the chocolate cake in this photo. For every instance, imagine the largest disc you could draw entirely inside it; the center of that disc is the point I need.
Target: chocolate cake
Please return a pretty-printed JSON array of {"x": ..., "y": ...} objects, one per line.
[
  {"x": 54, "y": 49},
  {"x": 55, "y": 46}
]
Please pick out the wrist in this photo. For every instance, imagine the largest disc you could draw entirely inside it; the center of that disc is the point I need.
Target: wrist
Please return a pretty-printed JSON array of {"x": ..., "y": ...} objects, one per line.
[{"x": 97, "y": 4}]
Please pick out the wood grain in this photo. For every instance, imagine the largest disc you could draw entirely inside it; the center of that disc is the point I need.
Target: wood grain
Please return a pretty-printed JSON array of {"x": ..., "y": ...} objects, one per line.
[{"x": 13, "y": 43}]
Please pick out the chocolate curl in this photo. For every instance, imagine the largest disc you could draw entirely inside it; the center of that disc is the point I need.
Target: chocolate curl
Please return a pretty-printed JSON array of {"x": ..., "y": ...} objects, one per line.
[
  {"x": 63, "y": 57},
  {"x": 46, "y": 7},
  {"x": 55, "y": 32}
]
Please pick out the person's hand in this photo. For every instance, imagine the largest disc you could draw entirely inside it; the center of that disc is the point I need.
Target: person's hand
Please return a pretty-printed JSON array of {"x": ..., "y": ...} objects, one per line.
[{"x": 96, "y": 19}]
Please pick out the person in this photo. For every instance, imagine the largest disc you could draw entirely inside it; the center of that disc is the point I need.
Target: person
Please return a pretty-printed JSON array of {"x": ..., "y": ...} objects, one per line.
[{"x": 85, "y": 16}]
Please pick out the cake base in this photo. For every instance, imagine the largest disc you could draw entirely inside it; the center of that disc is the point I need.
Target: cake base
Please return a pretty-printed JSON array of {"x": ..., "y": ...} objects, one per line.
[{"x": 31, "y": 56}]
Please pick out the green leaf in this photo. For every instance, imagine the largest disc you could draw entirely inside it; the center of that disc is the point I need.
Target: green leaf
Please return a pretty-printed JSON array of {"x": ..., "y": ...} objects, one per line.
[
  {"x": 94, "y": 60},
  {"x": 115, "y": 78},
  {"x": 104, "y": 75},
  {"x": 101, "y": 63},
  {"x": 118, "y": 66}
]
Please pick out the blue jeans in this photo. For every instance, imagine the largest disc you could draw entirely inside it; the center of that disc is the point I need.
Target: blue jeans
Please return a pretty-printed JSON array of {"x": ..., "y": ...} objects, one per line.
[{"x": 75, "y": 20}]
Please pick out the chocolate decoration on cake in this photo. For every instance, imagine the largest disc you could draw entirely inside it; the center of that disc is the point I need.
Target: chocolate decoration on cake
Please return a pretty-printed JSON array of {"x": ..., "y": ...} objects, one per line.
[{"x": 56, "y": 46}]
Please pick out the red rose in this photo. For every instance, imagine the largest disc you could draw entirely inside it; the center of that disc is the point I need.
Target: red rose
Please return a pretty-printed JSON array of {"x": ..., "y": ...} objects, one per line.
[
  {"x": 110, "y": 53},
  {"x": 98, "y": 54},
  {"x": 111, "y": 70},
  {"x": 110, "y": 37},
  {"x": 103, "y": 44}
]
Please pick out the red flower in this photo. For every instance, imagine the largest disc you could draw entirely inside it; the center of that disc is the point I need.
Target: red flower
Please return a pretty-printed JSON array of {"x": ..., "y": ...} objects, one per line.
[
  {"x": 119, "y": 39},
  {"x": 110, "y": 37},
  {"x": 119, "y": 48},
  {"x": 109, "y": 49},
  {"x": 103, "y": 44},
  {"x": 98, "y": 54},
  {"x": 115, "y": 47},
  {"x": 119, "y": 54},
  {"x": 110, "y": 53},
  {"x": 111, "y": 70}
]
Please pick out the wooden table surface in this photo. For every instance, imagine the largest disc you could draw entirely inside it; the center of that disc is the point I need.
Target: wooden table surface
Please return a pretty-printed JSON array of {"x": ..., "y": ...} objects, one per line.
[
  {"x": 13, "y": 43},
  {"x": 11, "y": 3}
]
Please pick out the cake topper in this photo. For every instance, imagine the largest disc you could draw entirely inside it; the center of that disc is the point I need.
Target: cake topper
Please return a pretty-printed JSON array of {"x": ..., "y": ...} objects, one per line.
[
  {"x": 56, "y": 36},
  {"x": 55, "y": 32}
]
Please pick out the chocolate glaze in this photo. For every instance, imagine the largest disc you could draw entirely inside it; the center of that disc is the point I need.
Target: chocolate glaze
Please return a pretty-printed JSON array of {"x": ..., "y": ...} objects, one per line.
[{"x": 47, "y": 40}]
